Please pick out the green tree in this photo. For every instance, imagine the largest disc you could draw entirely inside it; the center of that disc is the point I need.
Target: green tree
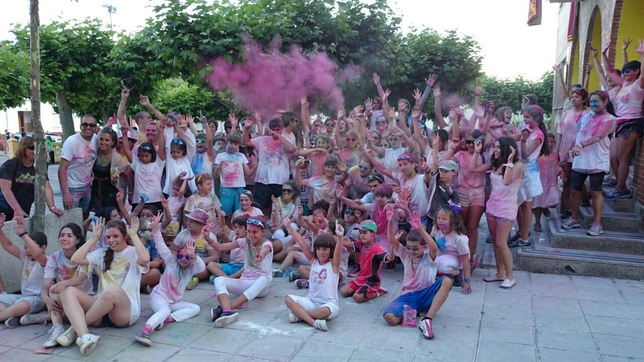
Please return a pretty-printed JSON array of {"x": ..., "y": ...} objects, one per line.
[
  {"x": 508, "y": 92},
  {"x": 177, "y": 95},
  {"x": 14, "y": 77},
  {"x": 75, "y": 69}
]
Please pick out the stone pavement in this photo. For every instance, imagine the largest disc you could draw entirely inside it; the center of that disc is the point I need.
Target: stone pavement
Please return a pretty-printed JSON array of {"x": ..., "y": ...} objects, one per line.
[{"x": 543, "y": 318}]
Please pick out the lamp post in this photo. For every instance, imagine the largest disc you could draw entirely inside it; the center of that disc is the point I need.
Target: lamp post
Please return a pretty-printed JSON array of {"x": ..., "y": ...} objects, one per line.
[{"x": 111, "y": 9}]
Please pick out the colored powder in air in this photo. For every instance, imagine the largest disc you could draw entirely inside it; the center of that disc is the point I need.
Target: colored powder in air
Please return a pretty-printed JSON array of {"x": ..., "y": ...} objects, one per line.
[{"x": 267, "y": 80}]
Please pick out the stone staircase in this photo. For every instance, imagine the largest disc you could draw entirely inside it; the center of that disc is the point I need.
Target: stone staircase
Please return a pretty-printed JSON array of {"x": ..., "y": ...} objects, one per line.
[{"x": 617, "y": 253}]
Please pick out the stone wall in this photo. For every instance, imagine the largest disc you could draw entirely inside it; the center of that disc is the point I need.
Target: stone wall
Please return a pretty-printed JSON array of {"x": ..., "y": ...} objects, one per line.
[{"x": 11, "y": 267}]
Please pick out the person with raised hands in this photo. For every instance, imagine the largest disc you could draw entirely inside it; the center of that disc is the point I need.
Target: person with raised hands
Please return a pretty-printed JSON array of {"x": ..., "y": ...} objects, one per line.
[
  {"x": 118, "y": 301},
  {"x": 13, "y": 307},
  {"x": 180, "y": 146},
  {"x": 421, "y": 290},
  {"x": 165, "y": 299},
  {"x": 322, "y": 303}
]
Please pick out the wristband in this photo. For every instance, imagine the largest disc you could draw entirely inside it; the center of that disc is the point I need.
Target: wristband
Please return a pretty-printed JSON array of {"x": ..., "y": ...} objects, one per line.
[
  {"x": 510, "y": 165},
  {"x": 466, "y": 280},
  {"x": 52, "y": 208},
  {"x": 23, "y": 234}
]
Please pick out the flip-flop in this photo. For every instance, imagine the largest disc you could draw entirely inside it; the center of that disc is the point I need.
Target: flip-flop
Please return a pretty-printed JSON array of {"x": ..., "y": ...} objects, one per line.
[
  {"x": 493, "y": 278},
  {"x": 537, "y": 228}
]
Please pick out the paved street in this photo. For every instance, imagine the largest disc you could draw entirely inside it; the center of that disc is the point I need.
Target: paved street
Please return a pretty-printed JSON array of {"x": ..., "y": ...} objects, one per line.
[{"x": 543, "y": 318}]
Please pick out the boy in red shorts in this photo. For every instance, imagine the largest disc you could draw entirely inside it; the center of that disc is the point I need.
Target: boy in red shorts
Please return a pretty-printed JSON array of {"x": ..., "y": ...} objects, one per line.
[{"x": 366, "y": 285}]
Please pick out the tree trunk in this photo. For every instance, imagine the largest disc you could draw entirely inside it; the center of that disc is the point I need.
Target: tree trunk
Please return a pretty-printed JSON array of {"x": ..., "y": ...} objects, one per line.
[
  {"x": 41, "y": 148},
  {"x": 65, "y": 114}
]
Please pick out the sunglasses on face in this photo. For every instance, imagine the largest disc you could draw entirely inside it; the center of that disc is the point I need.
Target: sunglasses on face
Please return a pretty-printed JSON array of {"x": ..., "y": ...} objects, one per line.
[
  {"x": 413, "y": 248},
  {"x": 181, "y": 256},
  {"x": 145, "y": 230},
  {"x": 31, "y": 148},
  {"x": 626, "y": 71},
  {"x": 393, "y": 139},
  {"x": 317, "y": 221},
  {"x": 287, "y": 191},
  {"x": 349, "y": 212},
  {"x": 329, "y": 125},
  {"x": 381, "y": 122},
  {"x": 85, "y": 125},
  {"x": 469, "y": 142},
  {"x": 146, "y": 214},
  {"x": 364, "y": 168},
  {"x": 351, "y": 139},
  {"x": 317, "y": 125}
]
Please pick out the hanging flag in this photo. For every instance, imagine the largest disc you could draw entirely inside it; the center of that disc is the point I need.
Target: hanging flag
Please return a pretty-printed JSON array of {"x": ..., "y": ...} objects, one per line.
[
  {"x": 534, "y": 13},
  {"x": 571, "y": 22}
]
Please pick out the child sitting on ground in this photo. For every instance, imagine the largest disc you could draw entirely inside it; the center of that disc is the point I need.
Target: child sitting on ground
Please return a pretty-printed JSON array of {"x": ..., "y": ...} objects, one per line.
[
  {"x": 165, "y": 299},
  {"x": 322, "y": 302},
  {"x": 15, "y": 306},
  {"x": 454, "y": 251},
  {"x": 198, "y": 231},
  {"x": 237, "y": 256},
  {"x": 247, "y": 209},
  {"x": 366, "y": 285},
  {"x": 420, "y": 288},
  {"x": 255, "y": 280},
  {"x": 174, "y": 204}
]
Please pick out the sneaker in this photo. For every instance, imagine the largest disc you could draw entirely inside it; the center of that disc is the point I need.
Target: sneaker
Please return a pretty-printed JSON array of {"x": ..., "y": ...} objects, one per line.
[
  {"x": 302, "y": 284},
  {"x": 67, "y": 338},
  {"x": 595, "y": 229},
  {"x": 570, "y": 223},
  {"x": 320, "y": 324},
  {"x": 226, "y": 318},
  {"x": 507, "y": 283},
  {"x": 287, "y": 272},
  {"x": 425, "y": 326},
  {"x": 292, "y": 318},
  {"x": 295, "y": 275},
  {"x": 87, "y": 343},
  {"x": 610, "y": 182},
  {"x": 192, "y": 284},
  {"x": 212, "y": 279},
  {"x": 565, "y": 214},
  {"x": 143, "y": 338},
  {"x": 12, "y": 322},
  {"x": 36, "y": 318},
  {"x": 277, "y": 272},
  {"x": 54, "y": 333},
  {"x": 354, "y": 271},
  {"x": 160, "y": 326},
  {"x": 390, "y": 266},
  {"x": 524, "y": 243},
  {"x": 457, "y": 281},
  {"x": 488, "y": 240},
  {"x": 215, "y": 313},
  {"x": 514, "y": 238},
  {"x": 618, "y": 195}
]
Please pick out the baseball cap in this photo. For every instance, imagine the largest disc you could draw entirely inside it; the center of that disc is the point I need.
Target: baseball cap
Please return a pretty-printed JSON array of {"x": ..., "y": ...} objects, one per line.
[
  {"x": 448, "y": 165},
  {"x": 368, "y": 225}
]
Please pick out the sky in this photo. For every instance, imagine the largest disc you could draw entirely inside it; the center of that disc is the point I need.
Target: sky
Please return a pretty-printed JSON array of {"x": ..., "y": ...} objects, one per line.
[{"x": 499, "y": 26}]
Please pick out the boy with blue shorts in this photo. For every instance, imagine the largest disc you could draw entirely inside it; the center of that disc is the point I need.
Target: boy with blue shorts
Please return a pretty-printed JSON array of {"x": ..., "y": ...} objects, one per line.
[
  {"x": 237, "y": 256},
  {"x": 420, "y": 288},
  {"x": 230, "y": 167}
]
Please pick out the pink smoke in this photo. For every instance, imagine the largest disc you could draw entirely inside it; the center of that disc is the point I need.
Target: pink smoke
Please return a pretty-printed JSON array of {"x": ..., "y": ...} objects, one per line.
[{"x": 268, "y": 80}]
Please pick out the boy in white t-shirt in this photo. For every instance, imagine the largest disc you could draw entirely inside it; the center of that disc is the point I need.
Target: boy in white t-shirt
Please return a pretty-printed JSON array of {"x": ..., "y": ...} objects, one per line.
[
  {"x": 230, "y": 167},
  {"x": 15, "y": 306},
  {"x": 322, "y": 302}
]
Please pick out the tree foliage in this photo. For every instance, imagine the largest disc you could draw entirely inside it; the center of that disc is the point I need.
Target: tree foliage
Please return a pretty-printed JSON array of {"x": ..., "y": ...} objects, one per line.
[
  {"x": 508, "y": 92},
  {"x": 14, "y": 77},
  {"x": 177, "y": 95}
]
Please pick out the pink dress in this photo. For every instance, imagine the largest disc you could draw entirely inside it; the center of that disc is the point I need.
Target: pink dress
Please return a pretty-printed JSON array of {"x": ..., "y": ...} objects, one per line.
[
  {"x": 503, "y": 198},
  {"x": 548, "y": 165}
]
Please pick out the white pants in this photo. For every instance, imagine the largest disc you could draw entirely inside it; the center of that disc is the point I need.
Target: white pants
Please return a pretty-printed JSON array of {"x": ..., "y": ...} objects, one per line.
[
  {"x": 449, "y": 264},
  {"x": 286, "y": 240},
  {"x": 310, "y": 305},
  {"x": 250, "y": 288},
  {"x": 162, "y": 309}
]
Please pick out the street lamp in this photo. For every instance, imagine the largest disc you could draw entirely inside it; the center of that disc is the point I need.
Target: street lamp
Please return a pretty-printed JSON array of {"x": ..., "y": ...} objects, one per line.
[{"x": 111, "y": 9}]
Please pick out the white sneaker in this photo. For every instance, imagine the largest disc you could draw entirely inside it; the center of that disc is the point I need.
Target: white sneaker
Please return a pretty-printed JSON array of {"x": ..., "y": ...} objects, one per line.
[
  {"x": 67, "y": 338},
  {"x": 87, "y": 343},
  {"x": 507, "y": 283},
  {"x": 36, "y": 318},
  {"x": 293, "y": 318},
  {"x": 320, "y": 324},
  {"x": 595, "y": 230},
  {"x": 55, "y": 332}
]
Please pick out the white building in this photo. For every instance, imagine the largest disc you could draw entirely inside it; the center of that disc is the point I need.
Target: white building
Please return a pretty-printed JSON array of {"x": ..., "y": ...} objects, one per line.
[{"x": 19, "y": 119}]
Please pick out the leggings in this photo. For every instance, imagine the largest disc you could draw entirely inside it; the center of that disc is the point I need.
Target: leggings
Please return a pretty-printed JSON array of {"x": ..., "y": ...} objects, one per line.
[
  {"x": 162, "y": 309},
  {"x": 449, "y": 264},
  {"x": 251, "y": 288}
]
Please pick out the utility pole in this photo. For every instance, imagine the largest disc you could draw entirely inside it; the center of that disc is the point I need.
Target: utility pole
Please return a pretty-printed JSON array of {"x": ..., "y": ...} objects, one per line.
[{"x": 111, "y": 10}]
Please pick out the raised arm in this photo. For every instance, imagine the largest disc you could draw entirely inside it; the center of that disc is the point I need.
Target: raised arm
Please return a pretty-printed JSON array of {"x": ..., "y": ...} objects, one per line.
[
  {"x": 80, "y": 256},
  {"x": 5, "y": 242},
  {"x": 381, "y": 93},
  {"x": 640, "y": 51},
  {"x": 473, "y": 168},
  {"x": 143, "y": 257},
  {"x": 437, "y": 107},
  {"x": 305, "y": 115},
  {"x": 608, "y": 65},
  {"x": 625, "y": 45},
  {"x": 376, "y": 163},
  {"x": 429, "y": 82},
  {"x": 560, "y": 82},
  {"x": 337, "y": 252},
  {"x": 299, "y": 240},
  {"x": 145, "y": 102},
  {"x": 599, "y": 70}
]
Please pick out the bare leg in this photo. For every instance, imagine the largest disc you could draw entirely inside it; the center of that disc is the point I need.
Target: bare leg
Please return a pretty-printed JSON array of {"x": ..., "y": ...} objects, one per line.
[
  {"x": 501, "y": 244},
  {"x": 575, "y": 201},
  {"x": 150, "y": 278},
  {"x": 305, "y": 271},
  {"x": 215, "y": 269},
  {"x": 361, "y": 298},
  {"x": 75, "y": 303},
  {"x": 598, "y": 206},
  {"x": 204, "y": 275},
  {"x": 392, "y": 320},
  {"x": 440, "y": 297},
  {"x": 17, "y": 310},
  {"x": 345, "y": 291},
  {"x": 565, "y": 197},
  {"x": 472, "y": 225},
  {"x": 625, "y": 147},
  {"x": 537, "y": 216},
  {"x": 526, "y": 216},
  {"x": 1, "y": 285},
  {"x": 289, "y": 260},
  {"x": 298, "y": 310},
  {"x": 56, "y": 317},
  {"x": 492, "y": 225},
  {"x": 112, "y": 301},
  {"x": 239, "y": 301},
  {"x": 614, "y": 163}
]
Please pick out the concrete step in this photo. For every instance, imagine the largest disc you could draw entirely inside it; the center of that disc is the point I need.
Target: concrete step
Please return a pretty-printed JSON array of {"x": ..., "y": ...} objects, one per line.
[
  {"x": 612, "y": 220},
  {"x": 621, "y": 242},
  {"x": 580, "y": 262},
  {"x": 621, "y": 205}
]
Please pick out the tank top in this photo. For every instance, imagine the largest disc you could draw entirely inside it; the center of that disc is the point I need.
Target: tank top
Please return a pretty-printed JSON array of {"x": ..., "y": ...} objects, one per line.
[{"x": 503, "y": 198}]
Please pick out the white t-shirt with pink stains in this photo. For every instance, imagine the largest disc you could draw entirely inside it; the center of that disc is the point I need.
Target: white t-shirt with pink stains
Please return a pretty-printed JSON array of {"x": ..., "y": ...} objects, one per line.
[
  {"x": 253, "y": 269},
  {"x": 232, "y": 169},
  {"x": 81, "y": 155},
  {"x": 273, "y": 165}
]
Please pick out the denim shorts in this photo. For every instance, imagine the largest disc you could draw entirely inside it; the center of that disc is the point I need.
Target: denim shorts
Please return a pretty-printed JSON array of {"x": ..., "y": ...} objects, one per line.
[{"x": 81, "y": 197}]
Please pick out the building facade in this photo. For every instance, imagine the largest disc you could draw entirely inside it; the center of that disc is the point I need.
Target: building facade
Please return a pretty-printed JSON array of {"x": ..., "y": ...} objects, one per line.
[{"x": 19, "y": 119}]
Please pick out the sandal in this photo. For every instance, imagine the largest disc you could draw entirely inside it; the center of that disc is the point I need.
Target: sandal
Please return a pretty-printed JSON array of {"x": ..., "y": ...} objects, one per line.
[
  {"x": 493, "y": 278},
  {"x": 537, "y": 228}
]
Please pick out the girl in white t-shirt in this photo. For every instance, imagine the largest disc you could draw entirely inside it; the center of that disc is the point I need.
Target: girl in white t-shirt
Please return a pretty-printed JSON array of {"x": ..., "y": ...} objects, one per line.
[
  {"x": 148, "y": 168},
  {"x": 165, "y": 299},
  {"x": 180, "y": 146},
  {"x": 118, "y": 301},
  {"x": 322, "y": 302},
  {"x": 453, "y": 245},
  {"x": 247, "y": 209},
  {"x": 61, "y": 273},
  {"x": 174, "y": 203},
  {"x": 205, "y": 200},
  {"x": 255, "y": 280}
]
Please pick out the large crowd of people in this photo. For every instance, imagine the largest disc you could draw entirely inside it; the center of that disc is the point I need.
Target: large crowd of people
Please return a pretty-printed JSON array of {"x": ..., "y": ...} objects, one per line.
[{"x": 169, "y": 206}]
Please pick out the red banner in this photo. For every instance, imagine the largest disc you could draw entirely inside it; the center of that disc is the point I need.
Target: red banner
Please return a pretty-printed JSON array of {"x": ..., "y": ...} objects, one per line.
[
  {"x": 571, "y": 22},
  {"x": 534, "y": 13}
]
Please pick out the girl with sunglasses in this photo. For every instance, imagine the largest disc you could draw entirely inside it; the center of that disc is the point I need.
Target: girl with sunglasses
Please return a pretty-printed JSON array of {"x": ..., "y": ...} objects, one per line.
[
  {"x": 390, "y": 155},
  {"x": 285, "y": 207},
  {"x": 348, "y": 148},
  {"x": 255, "y": 280},
  {"x": 181, "y": 147},
  {"x": 165, "y": 299}
]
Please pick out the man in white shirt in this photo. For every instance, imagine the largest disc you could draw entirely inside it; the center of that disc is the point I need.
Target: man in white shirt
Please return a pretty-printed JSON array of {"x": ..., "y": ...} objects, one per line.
[{"x": 76, "y": 162}]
